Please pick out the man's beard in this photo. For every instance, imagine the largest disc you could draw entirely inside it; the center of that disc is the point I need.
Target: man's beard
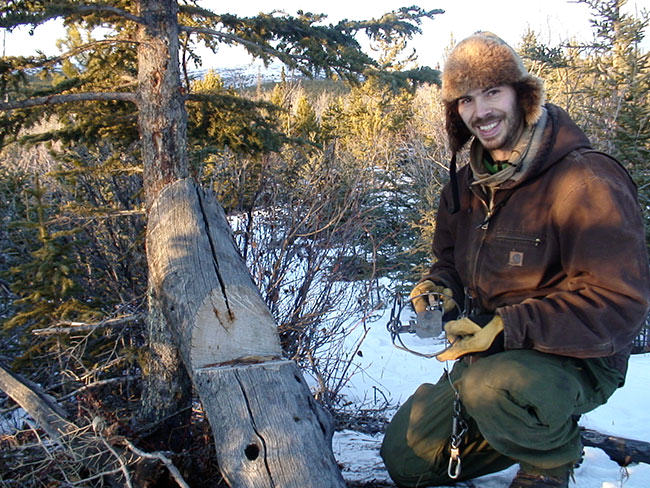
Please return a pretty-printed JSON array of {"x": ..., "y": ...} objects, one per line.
[{"x": 508, "y": 133}]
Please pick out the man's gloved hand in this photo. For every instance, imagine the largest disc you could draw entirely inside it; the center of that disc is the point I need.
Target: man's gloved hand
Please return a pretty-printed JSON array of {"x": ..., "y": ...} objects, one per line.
[
  {"x": 420, "y": 303},
  {"x": 466, "y": 337}
]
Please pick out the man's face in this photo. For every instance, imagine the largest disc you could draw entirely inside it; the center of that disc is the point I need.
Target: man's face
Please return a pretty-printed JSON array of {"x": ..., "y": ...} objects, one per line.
[{"x": 493, "y": 116}]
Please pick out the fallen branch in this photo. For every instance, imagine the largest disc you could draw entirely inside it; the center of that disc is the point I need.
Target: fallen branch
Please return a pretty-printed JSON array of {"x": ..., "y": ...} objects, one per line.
[
  {"x": 623, "y": 451},
  {"x": 81, "y": 444},
  {"x": 40, "y": 406},
  {"x": 74, "y": 327}
]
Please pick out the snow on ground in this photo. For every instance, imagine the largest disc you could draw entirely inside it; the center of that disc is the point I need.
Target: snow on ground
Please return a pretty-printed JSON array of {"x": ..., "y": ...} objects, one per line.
[
  {"x": 386, "y": 371},
  {"x": 13, "y": 421}
]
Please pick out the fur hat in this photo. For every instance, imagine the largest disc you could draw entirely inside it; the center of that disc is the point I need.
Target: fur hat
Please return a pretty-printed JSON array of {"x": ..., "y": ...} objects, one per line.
[{"x": 481, "y": 61}]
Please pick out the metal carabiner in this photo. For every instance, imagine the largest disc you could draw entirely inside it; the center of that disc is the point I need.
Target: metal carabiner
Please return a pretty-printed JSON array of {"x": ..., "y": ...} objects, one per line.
[
  {"x": 454, "y": 459},
  {"x": 458, "y": 430}
]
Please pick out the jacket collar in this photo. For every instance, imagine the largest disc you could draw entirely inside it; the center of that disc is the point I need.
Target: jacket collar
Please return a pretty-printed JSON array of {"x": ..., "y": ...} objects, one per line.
[{"x": 559, "y": 137}]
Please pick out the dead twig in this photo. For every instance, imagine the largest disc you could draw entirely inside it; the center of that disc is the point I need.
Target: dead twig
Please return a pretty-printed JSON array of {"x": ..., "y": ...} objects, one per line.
[
  {"x": 73, "y": 327},
  {"x": 96, "y": 384},
  {"x": 173, "y": 470},
  {"x": 123, "y": 467}
]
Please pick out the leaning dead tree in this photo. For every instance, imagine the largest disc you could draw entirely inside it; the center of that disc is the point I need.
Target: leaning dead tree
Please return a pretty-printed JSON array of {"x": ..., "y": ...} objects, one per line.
[
  {"x": 268, "y": 430},
  {"x": 216, "y": 314},
  {"x": 258, "y": 405}
]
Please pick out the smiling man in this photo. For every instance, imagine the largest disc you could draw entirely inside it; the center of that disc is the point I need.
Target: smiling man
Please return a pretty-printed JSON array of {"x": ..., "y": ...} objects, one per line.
[{"x": 540, "y": 241}]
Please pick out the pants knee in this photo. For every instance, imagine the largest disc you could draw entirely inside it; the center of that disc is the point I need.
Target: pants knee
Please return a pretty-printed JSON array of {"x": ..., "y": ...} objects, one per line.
[{"x": 480, "y": 387}]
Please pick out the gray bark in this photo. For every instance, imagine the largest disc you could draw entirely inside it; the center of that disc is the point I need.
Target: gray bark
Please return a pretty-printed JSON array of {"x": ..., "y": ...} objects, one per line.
[
  {"x": 166, "y": 398},
  {"x": 268, "y": 430},
  {"x": 213, "y": 306},
  {"x": 163, "y": 126}
]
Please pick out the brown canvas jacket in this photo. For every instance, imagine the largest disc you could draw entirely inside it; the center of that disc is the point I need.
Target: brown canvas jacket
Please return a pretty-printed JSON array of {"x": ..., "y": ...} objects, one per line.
[{"x": 560, "y": 255}]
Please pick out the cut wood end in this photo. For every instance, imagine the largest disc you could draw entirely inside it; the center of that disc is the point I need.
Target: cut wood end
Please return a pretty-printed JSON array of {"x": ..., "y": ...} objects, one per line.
[{"x": 243, "y": 328}]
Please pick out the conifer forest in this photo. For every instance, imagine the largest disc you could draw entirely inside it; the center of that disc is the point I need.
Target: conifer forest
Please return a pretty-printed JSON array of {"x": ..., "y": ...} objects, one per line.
[{"x": 144, "y": 200}]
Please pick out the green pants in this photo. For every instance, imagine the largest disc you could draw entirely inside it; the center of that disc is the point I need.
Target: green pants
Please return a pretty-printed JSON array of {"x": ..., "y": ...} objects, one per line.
[{"x": 521, "y": 407}]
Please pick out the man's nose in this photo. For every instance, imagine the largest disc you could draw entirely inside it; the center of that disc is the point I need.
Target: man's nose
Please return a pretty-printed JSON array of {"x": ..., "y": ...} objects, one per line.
[{"x": 482, "y": 107}]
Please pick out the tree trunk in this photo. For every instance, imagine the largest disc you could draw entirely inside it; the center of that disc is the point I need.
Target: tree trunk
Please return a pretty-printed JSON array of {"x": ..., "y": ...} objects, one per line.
[
  {"x": 162, "y": 120},
  {"x": 267, "y": 427},
  {"x": 212, "y": 305},
  {"x": 166, "y": 399}
]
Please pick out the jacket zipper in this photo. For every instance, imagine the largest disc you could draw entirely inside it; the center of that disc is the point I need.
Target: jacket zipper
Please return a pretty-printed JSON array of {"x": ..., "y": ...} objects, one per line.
[
  {"x": 536, "y": 241},
  {"x": 489, "y": 213}
]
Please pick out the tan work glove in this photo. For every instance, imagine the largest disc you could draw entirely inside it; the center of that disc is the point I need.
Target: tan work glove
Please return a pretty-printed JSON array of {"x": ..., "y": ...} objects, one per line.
[
  {"x": 420, "y": 303},
  {"x": 468, "y": 337}
]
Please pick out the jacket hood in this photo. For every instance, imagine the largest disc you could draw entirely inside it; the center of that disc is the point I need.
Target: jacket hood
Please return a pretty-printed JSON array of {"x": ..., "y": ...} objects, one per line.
[{"x": 566, "y": 136}]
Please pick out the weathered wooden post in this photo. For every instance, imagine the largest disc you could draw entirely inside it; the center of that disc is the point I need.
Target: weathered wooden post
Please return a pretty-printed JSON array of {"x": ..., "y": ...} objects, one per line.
[{"x": 268, "y": 429}]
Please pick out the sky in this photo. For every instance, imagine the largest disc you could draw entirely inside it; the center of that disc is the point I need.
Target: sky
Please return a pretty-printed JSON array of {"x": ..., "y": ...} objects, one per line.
[{"x": 552, "y": 20}]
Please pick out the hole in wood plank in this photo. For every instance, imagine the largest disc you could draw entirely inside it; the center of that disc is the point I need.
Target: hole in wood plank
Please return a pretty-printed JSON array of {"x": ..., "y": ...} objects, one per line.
[{"x": 252, "y": 452}]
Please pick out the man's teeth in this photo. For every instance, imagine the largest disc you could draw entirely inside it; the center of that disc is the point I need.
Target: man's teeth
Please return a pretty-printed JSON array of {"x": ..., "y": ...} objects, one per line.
[{"x": 488, "y": 127}]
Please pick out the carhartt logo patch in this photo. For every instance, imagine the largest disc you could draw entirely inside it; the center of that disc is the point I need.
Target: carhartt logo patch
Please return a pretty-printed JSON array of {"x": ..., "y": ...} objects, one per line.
[{"x": 516, "y": 258}]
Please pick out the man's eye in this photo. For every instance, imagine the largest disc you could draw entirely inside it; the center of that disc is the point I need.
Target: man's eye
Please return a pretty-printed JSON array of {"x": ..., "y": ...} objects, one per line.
[
  {"x": 463, "y": 101},
  {"x": 493, "y": 92}
]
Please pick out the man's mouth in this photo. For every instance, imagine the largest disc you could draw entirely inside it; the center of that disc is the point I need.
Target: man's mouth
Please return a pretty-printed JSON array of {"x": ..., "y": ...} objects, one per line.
[{"x": 488, "y": 129}]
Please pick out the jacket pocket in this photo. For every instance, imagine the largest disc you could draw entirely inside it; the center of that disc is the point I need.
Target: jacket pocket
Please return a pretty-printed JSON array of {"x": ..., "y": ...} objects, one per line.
[{"x": 514, "y": 261}]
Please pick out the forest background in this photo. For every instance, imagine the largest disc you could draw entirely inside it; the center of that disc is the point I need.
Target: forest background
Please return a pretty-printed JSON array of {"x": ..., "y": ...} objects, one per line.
[{"x": 330, "y": 185}]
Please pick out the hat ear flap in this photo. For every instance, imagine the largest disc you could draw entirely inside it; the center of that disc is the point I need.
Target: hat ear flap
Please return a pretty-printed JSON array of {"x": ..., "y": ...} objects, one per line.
[
  {"x": 457, "y": 132},
  {"x": 530, "y": 94}
]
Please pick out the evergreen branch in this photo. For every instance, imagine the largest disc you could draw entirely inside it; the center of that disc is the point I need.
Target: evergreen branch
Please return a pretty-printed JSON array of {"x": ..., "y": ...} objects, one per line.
[
  {"x": 226, "y": 100},
  {"x": 110, "y": 9},
  {"x": 18, "y": 13},
  {"x": 303, "y": 43},
  {"x": 194, "y": 10},
  {"x": 67, "y": 98},
  {"x": 73, "y": 52},
  {"x": 324, "y": 51},
  {"x": 404, "y": 21},
  {"x": 232, "y": 38},
  {"x": 408, "y": 79}
]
